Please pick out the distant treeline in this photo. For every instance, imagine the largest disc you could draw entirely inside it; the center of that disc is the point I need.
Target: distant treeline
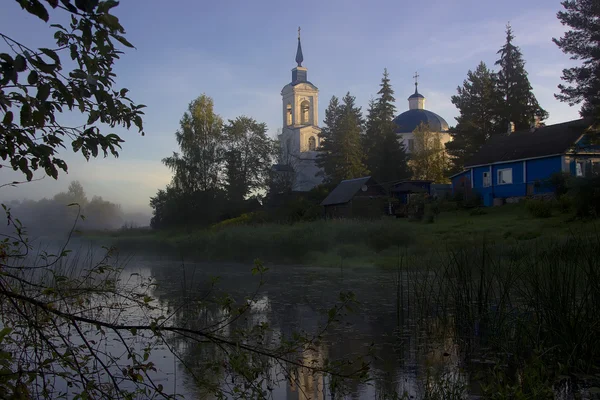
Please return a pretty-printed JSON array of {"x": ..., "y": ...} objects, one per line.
[{"x": 57, "y": 215}]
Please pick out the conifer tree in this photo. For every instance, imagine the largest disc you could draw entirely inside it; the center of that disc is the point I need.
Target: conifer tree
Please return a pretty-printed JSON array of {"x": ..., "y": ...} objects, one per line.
[
  {"x": 520, "y": 105},
  {"x": 341, "y": 154},
  {"x": 582, "y": 43},
  {"x": 385, "y": 154},
  {"x": 478, "y": 101}
]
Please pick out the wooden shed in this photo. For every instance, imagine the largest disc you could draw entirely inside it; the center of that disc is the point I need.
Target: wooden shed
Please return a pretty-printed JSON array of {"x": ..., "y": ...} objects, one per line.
[{"x": 356, "y": 198}]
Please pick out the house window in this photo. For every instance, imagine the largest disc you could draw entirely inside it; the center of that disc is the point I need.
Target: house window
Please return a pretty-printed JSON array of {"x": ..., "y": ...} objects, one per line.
[
  {"x": 312, "y": 143},
  {"x": 304, "y": 109},
  {"x": 580, "y": 168},
  {"x": 505, "y": 176},
  {"x": 411, "y": 144},
  {"x": 289, "y": 114},
  {"x": 487, "y": 181}
]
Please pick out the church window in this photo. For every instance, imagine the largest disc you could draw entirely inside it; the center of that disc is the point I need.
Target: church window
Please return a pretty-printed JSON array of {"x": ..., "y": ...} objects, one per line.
[
  {"x": 312, "y": 143},
  {"x": 304, "y": 109},
  {"x": 289, "y": 114},
  {"x": 411, "y": 144}
]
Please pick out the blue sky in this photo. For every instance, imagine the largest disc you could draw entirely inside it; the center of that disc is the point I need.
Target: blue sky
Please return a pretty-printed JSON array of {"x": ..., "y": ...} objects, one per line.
[{"x": 241, "y": 54}]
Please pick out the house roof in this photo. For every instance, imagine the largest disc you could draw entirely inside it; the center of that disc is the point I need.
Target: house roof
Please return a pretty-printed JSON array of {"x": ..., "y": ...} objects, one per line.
[
  {"x": 345, "y": 191},
  {"x": 411, "y": 186},
  {"x": 541, "y": 142}
]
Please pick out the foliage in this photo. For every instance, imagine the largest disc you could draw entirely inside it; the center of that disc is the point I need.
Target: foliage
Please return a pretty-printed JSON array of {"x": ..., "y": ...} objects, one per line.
[
  {"x": 248, "y": 156},
  {"x": 586, "y": 196},
  {"x": 200, "y": 139},
  {"x": 385, "y": 155},
  {"x": 429, "y": 160},
  {"x": 36, "y": 86},
  {"x": 539, "y": 208},
  {"x": 218, "y": 171},
  {"x": 478, "y": 102},
  {"x": 520, "y": 105},
  {"x": 581, "y": 43},
  {"x": 341, "y": 154}
]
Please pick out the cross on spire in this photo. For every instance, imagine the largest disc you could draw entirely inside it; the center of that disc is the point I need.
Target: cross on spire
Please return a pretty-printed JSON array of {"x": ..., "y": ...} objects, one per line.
[
  {"x": 416, "y": 78},
  {"x": 299, "y": 56}
]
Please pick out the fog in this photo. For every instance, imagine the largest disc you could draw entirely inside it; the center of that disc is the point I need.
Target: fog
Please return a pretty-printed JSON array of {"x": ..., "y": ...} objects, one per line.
[{"x": 57, "y": 215}]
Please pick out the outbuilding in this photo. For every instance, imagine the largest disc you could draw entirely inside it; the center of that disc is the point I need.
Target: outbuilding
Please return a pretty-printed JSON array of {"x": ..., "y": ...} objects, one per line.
[{"x": 356, "y": 198}]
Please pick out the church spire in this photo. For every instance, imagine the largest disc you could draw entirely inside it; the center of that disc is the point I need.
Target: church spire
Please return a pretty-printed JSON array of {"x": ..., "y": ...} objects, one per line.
[
  {"x": 299, "y": 56},
  {"x": 416, "y": 101},
  {"x": 416, "y": 78}
]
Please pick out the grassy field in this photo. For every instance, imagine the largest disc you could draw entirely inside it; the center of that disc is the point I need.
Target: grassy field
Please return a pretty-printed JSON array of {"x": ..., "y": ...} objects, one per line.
[{"x": 357, "y": 242}]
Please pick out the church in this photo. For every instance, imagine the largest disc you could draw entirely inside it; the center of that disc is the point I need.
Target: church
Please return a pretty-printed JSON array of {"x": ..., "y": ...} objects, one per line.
[{"x": 299, "y": 139}]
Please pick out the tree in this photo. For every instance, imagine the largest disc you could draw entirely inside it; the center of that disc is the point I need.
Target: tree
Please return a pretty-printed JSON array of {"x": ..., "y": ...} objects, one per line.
[
  {"x": 200, "y": 138},
  {"x": 428, "y": 159},
  {"x": 340, "y": 154},
  {"x": 89, "y": 331},
  {"x": 35, "y": 87},
  {"x": 478, "y": 102},
  {"x": 385, "y": 155},
  {"x": 248, "y": 156},
  {"x": 582, "y": 42},
  {"x": 520, "y": 105}
]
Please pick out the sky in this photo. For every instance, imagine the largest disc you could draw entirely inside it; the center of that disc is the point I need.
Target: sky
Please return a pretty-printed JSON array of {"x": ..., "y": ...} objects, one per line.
[{"x": 241, "y": 54}]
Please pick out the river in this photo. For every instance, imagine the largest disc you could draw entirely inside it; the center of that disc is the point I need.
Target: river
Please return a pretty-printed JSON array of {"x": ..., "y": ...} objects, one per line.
[{"x": 295, "y": 299}]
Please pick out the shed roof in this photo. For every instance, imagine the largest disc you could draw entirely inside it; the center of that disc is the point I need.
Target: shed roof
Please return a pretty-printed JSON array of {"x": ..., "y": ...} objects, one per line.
[
  {"x": 345, "y": 191},
  {"x": 544, "y": 141}
]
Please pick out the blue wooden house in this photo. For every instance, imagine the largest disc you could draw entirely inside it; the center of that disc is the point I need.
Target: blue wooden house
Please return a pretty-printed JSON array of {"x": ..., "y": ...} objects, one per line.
[{"x": 521, "y": 163}]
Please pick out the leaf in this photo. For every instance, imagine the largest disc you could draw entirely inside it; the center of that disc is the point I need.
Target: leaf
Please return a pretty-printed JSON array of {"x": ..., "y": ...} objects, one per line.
[
  {"x": 123, "y": 41},
  {"x": 33, "y": 77},
  {"x": 8, "y": 118},
  {"x": 25, "y": 114},
  {"x": 51, "y": 54},
  {"x": 69, "y": 6},
  {"x": 105, "y": 6},
  {"x": 110, "y": 21},
  {"x": 43, "y": 92},
  {"x": 35, "y": 7},
  {"x": 20, "y": 64}
]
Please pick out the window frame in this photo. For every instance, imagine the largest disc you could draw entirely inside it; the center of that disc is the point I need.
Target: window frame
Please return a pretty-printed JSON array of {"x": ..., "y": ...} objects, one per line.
[
  {"x": 501, "y": 171},
  {"x": 487, "y": 179},
  {"x": 314, "y": 141}
]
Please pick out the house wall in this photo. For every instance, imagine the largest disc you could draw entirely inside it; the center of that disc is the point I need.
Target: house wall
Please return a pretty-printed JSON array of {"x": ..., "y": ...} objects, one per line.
[
  {"x": 540, "y": 170},
  {"x": 461, "y": 182}
]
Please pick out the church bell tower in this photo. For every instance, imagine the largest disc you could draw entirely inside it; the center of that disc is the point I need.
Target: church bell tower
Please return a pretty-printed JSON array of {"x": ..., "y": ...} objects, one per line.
[{"x": 300, "y": 134}]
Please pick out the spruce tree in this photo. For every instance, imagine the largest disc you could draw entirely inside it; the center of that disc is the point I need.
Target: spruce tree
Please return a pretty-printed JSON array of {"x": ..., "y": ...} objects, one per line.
[
  {"x": 520, "y": 105},
  {"x": 582, "y": 43},
  {"x": 341, "y": 155},
  {"x": 478, "y": 101},
  {"x": 385, "y": 154}
]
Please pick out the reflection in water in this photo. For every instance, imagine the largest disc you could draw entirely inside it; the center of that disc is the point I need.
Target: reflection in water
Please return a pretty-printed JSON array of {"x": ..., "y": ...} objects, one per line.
[{"x": 294, "y": 299}]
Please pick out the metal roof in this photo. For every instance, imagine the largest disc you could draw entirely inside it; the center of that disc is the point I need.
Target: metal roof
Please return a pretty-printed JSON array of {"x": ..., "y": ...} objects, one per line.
[
  {"x": 345, "y": 191},
  {"x": 522, "y": 145},
  {"x": 409, "y": 120}
]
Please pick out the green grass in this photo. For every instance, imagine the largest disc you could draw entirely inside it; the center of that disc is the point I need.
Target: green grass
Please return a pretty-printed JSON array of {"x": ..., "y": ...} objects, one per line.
[{"x": 356, "y": 242}]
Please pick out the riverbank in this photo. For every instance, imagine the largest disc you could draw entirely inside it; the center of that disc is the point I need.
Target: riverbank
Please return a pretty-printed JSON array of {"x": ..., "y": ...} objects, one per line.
[{"x": 355, "y": 242}]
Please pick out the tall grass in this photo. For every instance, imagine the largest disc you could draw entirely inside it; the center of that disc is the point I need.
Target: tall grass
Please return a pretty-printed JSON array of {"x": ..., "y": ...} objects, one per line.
[
  {"x": 304, "y": 242},
  {"x": 526, "y": 305}
]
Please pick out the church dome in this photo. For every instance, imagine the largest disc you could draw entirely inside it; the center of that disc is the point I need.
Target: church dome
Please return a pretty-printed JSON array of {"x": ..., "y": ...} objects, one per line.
[{"x": 409, "y": 120}]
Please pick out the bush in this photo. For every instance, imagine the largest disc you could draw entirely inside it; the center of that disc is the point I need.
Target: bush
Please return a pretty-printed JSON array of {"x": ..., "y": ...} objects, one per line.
[
  {"x": 539, "y": 208},
  {"x": 564, "y": 204},
  {"x": 477, "y": 211},
  {"x": 586, "y": 196}
]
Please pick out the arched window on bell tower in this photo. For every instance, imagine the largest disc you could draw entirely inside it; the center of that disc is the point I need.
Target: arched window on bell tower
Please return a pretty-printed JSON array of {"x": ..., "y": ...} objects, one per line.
[
  {"x": 289, "y": 114},
  {"x": 304, "y": 112},
  {"x": 312, "y": 143}
]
